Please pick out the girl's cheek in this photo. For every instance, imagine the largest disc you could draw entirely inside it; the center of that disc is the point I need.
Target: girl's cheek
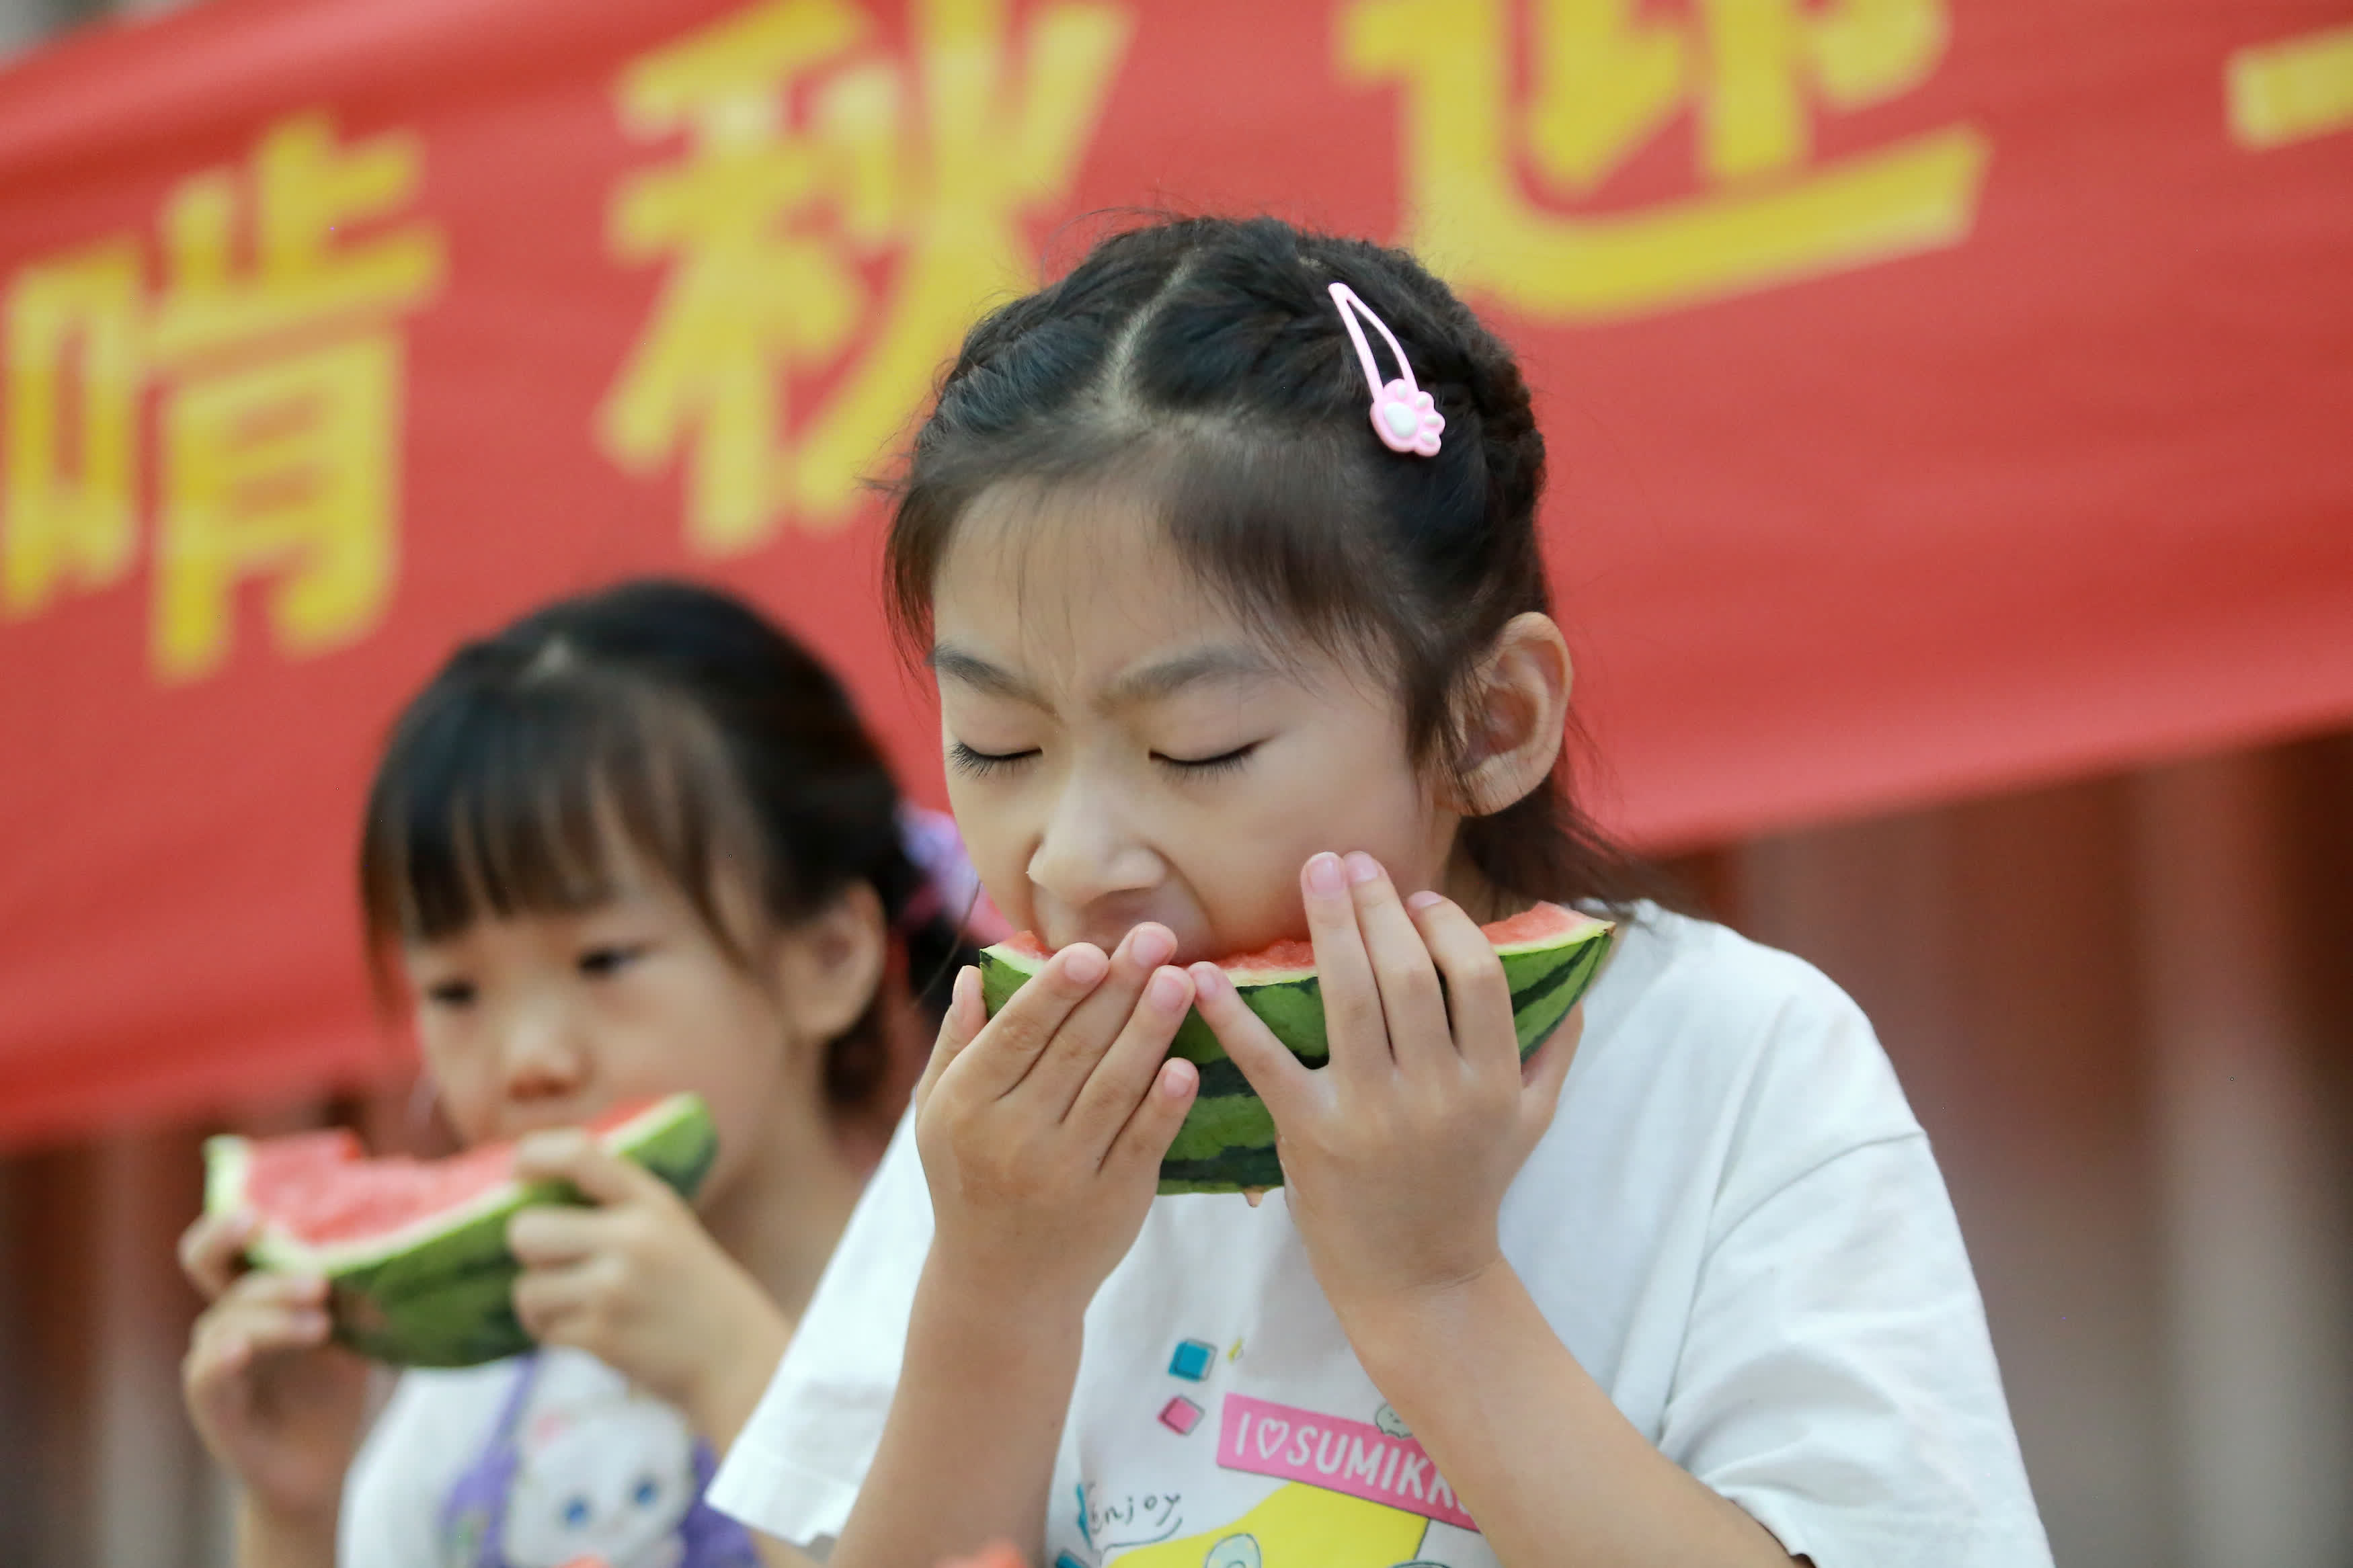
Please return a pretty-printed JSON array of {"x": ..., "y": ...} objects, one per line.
[{"x": 464, "y": 1073}]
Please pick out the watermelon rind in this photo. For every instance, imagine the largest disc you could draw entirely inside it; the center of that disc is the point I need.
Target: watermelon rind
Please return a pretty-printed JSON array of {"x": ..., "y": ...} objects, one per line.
[
  {"x": 440, "y": 1292},
  {"x": 1227, "y": 1141}
]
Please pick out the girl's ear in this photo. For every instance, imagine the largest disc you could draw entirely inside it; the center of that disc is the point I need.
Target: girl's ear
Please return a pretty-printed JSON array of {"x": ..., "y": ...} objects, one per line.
[
  {"x": 829, "y": 966},
  {"x": 1516, "y": 711}
]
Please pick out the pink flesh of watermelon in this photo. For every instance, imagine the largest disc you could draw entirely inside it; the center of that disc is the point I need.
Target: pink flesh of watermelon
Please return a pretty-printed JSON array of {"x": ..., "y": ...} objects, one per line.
[
  {"x": 323, "y": 1190},
  {"x": 1292, "y": 955}
]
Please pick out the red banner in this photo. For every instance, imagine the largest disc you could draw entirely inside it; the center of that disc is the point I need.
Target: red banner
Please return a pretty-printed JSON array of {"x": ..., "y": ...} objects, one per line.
[{"x": 1943, "y": 393}]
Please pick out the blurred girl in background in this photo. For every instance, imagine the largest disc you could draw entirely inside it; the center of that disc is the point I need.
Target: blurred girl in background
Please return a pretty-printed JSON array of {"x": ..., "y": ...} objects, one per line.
[{"x": 636, "y": 843}]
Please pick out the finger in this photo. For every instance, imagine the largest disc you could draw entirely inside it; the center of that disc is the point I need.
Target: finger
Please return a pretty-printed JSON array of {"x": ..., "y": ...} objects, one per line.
[
  {"x": 1344, "y": 971},
  {"x": 548, "y": 1236},
  {"x": 1413, "y": 1008},
  {"x": 1077, "y": 1048},
  {"x": 1278, "y": 1078},
  {"x": 1108, "y": 1098},
  {"x": 1152, "y": 1127},
  {"x": 233, "y": 1337},
  {"x": 572, "y": 1154},
  {"x": 552, "y": 1303},
  {"x": 1001, "y": 1054},
  {"x": 263, "y": 1289},
  {"x": 967, "y": 1016},
  {"x": 212, "y": 1250},
  {"x": 1478, "y": 994}
]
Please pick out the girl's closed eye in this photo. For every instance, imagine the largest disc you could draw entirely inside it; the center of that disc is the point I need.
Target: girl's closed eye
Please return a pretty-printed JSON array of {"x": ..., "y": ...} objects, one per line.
[
  {"x": 452, "y": 992},
  {"x": 1219, "y": 762},
  {"x": 977, "y": 764},
  {"x": 606, "y": 960}
]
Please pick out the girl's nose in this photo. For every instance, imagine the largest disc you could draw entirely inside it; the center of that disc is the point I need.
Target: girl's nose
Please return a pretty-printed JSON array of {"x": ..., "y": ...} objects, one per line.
[
  {"x": 1087, "y": 851},
  {"x": 543, "y": 1056}
]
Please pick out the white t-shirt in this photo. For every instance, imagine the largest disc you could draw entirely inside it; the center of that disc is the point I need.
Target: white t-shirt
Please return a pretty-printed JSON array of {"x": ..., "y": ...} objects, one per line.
[
  {"x": 544, "y": 1461},
  {"x": 1734, "y": 1222}
]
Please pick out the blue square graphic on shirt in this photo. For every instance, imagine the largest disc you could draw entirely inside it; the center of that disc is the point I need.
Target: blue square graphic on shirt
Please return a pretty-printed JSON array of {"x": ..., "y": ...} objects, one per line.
[
  {"x": 1064, "y": 1560},
  {"x": 1192, "y": 1360}
]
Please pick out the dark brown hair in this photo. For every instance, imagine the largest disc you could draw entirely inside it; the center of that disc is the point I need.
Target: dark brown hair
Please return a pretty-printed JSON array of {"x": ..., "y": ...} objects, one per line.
[
  {"x": 1200, "y": 364},
  {"x": 716, "y": 747}
]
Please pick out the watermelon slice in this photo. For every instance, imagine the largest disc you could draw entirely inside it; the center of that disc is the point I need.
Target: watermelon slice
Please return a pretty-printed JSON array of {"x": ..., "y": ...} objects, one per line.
[
  {"x": 1550, "y": 956},
  {"x": 415, "y": 1251}
]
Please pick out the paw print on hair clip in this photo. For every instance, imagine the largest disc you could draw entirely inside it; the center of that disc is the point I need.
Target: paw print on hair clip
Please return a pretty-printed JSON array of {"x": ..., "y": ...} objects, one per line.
[
  {"x": 1407, "y": 420},
  {"x": 1404, "y": 416}
]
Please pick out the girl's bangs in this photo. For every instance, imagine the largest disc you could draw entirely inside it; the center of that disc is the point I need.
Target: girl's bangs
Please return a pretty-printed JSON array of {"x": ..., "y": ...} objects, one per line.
[
  {"x": 542, "y": 800},
  {"x": 1278, "y": 524}
]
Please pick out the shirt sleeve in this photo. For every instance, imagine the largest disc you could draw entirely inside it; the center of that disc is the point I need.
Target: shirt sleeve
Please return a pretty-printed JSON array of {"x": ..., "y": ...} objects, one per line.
[
  {"x": 797, "y": 1467},
  {"x": 1837, "y": 1380}
]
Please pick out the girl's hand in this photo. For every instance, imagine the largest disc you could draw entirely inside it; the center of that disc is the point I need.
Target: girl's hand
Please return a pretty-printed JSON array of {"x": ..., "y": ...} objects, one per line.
[
  {"x": 1041, "y": 1129},
  {"x": 1398, "y": 1151},
  {"x": 278, "y": 1405},
  {"x": 636, "y": 1282}
]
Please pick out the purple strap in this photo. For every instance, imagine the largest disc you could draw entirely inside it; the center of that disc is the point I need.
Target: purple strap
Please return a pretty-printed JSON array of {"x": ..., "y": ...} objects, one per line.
[{"x": 474, "y": 1514}]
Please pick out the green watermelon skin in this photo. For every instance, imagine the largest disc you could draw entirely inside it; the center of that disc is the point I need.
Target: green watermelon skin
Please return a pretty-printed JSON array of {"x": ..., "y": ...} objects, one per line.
[
  {"x": 448, "y": 1300},
  {"x": 1226, "y": 1142}
]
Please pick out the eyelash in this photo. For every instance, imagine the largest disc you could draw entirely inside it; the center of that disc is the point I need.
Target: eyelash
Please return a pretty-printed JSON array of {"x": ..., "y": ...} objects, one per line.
[
  {"x": 979, "y": 765},
  {"x": 451, "y": 994},
  {"x": 1208, "y": 767},
  {"x": 602, "y": 963}
]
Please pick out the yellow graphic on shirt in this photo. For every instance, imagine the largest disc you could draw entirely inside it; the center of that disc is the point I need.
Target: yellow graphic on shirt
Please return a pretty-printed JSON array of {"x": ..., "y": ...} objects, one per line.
[{"x": 1298, "y": 1527}]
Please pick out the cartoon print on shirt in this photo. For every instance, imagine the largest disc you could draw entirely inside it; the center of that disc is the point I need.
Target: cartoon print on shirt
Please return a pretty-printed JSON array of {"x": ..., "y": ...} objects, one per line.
[
  {"x": 1235, "y": 1552},
  {"x": 610, "y": 1482},
  {"x": 1353, "y": 1494},
  {"x": 1298, "y": 1527}
]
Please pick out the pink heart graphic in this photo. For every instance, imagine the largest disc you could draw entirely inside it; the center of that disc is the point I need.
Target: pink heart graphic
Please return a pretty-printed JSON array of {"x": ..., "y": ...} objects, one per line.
[{"x": 1271, "y": 1435}]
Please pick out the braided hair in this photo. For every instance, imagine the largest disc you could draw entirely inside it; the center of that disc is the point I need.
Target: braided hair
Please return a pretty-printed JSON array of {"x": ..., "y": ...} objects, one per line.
[{"x": 1198, "y": 365}]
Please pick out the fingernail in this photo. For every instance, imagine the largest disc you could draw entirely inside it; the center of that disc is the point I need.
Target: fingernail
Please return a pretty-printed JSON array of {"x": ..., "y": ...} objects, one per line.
[
  {"x": 1425, "y": 899},
  {"x": 1362, "y": 868},
  {"x": 313, "y": 1324},
  {"x": 1167, "y": 988},
  {"x": 1325, "y": 875},
  {"x": 1086, "y": 963},
  {"x": 1177, "y": 1078},
  {"x": 1153, "y": 946},
  {"x": 1207, "y": 980}
]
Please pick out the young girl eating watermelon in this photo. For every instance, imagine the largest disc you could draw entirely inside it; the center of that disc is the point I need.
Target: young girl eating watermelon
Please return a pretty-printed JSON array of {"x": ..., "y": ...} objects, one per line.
[
  {"x": 635, "y": 843},
  {"x": 1223, "y": 550}
]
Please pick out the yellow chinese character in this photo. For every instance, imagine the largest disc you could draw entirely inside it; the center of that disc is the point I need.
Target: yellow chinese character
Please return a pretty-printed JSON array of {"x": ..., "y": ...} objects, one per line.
[
  {"x": 2291, "y": 90},
  {"x": 282, "y": 407},
  {"x": 838, "y": 218},
  {"x": 1608, "y": 78},
  {"x": 68, "y": 508}
]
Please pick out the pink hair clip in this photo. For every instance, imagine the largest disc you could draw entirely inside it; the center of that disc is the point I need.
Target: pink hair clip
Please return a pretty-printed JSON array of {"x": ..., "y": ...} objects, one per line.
[{"x": 1404, "y": 417}]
